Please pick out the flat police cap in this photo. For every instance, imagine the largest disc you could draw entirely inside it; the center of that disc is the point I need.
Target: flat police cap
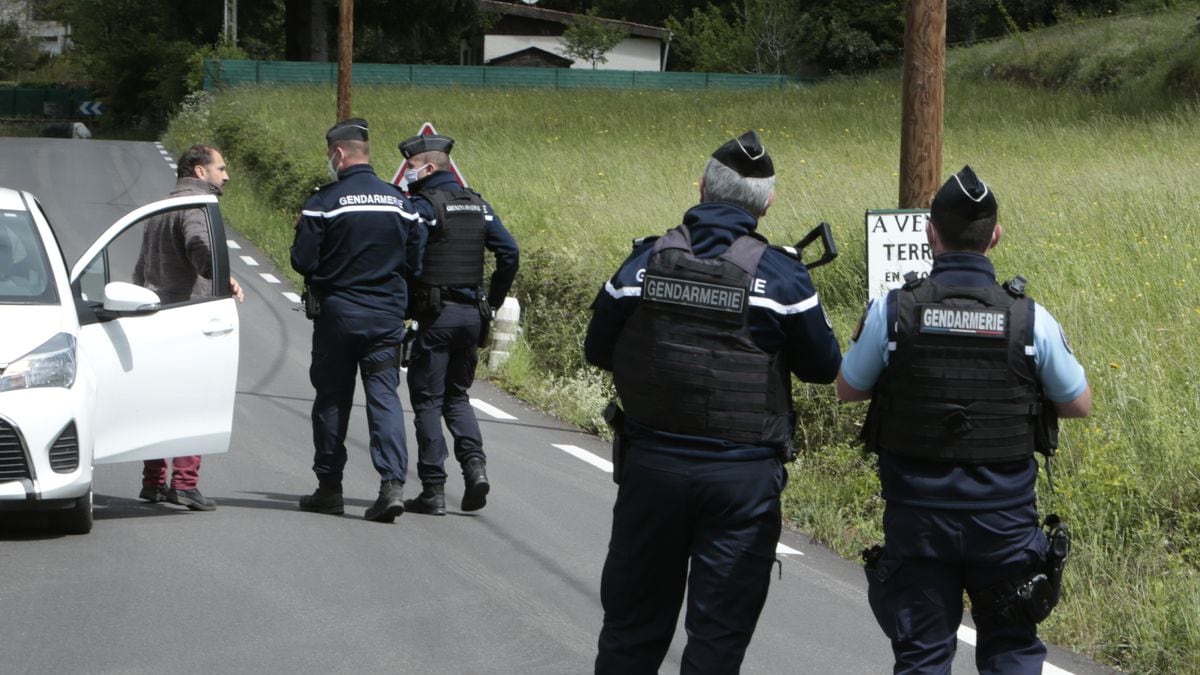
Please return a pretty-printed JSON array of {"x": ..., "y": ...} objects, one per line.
[
  {"x": 418, "y": 145},
  {"x": 353, "y": 129},
  {"x": 962, "y": 200},
  {"x": 746, "y": 155}
]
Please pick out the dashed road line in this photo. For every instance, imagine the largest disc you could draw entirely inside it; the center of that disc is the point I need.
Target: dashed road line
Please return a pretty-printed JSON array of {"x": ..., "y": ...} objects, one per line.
[
  {"x": 232, "y": 244},
  {"x": 269, "y": 278},
  {"x": 249, "y": 261},
  {"x": 291, "y": 296},
  {"x": 491, "y": 410},
  {"x": 591, "y": 458}
]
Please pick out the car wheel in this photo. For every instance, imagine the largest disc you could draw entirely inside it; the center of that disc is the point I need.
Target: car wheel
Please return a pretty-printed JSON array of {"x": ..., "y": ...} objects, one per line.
[{"x": 77, "y": 519}]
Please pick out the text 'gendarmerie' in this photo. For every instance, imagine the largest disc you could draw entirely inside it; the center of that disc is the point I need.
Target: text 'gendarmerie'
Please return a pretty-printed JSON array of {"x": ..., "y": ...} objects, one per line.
[
  {"x": 978, "y": 322},
  {"x": 694, "y": 294}
]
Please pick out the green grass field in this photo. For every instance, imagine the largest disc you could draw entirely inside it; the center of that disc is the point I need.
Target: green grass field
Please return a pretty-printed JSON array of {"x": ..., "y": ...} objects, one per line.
[{"x": 1100, "y": 213}]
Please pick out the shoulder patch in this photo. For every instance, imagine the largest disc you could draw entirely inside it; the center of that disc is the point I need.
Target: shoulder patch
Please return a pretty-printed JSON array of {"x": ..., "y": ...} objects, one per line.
[
  {"x": 1066, "y": 343},
  {"x": 858, "y": 328}
]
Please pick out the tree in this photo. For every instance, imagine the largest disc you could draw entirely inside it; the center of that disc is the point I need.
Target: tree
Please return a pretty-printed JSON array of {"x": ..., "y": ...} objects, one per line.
[
  {"x": 17, "y": 52},
  {"x": 591, "y": 37},
  {"x": 707, "y": 41}
]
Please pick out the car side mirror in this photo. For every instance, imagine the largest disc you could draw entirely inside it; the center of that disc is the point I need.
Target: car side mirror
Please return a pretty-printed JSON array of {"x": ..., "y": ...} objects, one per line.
[{"x": 125, "y": 299}]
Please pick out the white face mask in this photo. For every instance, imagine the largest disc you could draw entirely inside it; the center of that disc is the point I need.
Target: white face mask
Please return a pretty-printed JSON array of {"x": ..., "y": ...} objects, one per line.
[
  {"x": 413, "y": 175},
  {"x": 332, "y": 171}
]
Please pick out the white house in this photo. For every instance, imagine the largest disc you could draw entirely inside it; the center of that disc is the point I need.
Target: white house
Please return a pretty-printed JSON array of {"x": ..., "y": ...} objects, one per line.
[
  {"x": 521, "y": 27},
  {"x": 52, "y": 37}
]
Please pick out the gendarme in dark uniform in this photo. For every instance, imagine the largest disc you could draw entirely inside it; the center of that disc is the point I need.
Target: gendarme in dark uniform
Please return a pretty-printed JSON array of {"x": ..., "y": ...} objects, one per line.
[
  {"x": 452, "y": 308},
  {"x": 962, "y": 373},
  {"x": 354, "y": 247},
  {"x": 703, "y": 329}
]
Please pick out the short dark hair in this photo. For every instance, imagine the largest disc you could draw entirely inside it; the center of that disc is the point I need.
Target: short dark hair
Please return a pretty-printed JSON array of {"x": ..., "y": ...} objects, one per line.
[
  {"x": 197, "y": 155},
  {"x": 973, "y": 236}
]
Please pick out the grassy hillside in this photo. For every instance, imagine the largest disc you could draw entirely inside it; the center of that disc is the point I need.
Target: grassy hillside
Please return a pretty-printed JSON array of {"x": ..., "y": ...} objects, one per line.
[{"x": 1099, "y": 207}]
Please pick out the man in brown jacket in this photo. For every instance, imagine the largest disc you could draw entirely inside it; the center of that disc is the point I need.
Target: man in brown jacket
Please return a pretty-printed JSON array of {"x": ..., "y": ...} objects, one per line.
[{"x": 176, "y": 263}]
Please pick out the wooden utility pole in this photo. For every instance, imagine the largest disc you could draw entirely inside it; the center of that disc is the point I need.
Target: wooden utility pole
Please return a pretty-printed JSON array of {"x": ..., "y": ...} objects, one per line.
[
  {"x": 923, "y": 100},
  {"x": 345, "y": 57}
]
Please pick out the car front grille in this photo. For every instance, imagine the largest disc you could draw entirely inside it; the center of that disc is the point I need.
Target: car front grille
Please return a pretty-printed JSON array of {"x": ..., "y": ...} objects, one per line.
[
  {"x": 13, "y": 465},
  {"x": 64, "y": 454}
]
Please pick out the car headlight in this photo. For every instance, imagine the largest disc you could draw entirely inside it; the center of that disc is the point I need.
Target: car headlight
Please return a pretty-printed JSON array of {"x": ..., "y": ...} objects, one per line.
[{"x": 50, "y": 365}]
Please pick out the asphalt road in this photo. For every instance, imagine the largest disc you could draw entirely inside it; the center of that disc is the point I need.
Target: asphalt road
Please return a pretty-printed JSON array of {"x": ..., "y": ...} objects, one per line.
[{"x": 258, "y": 586}]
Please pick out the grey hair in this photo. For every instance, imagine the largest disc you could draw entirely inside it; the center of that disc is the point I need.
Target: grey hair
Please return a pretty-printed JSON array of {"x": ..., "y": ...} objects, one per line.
[{"x": 723, "y": 184}]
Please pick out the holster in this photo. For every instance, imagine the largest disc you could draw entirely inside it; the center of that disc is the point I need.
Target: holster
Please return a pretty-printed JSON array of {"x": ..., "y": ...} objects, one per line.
[
  {"x": 312, "y": 302},
  {"x": 406, "y": 345},
  {"x": 1029, "y": 600},
  {"x": 615, "y": 418}
]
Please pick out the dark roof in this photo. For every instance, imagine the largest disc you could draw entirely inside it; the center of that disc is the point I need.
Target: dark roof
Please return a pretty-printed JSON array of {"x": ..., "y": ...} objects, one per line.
[
  {"x": 534, "y": 52},
  {"x": 556, "y": 16}
]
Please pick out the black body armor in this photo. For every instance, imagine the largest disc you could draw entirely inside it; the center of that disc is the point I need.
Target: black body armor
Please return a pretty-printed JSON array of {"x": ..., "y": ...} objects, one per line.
[
  {"x": 960, "y": 386},
  {"x": 454, "y": 252},
  {"x": 685, "y": 361}
]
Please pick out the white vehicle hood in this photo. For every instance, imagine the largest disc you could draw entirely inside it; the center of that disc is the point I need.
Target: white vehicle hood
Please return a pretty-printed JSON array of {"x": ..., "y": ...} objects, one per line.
[{"x": 26, "y": 327}]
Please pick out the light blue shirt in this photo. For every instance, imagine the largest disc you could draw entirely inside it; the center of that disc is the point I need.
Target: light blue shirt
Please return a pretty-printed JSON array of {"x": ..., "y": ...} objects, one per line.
[{"x": 1057, "y": 369}]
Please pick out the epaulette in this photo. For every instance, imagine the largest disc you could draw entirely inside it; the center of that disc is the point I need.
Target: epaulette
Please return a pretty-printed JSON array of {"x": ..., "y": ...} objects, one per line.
[
  {"x": 323, "y": 186},
  {"x": 642, "y": 241},
  {"x": 789, "y": 251},
  {"x": 912, "y": 279},
  {"x": 1016, "y": 286}
]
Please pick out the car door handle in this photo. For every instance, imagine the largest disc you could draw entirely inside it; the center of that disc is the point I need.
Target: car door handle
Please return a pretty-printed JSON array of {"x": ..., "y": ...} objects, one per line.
[{"x": 215, "y": 328}]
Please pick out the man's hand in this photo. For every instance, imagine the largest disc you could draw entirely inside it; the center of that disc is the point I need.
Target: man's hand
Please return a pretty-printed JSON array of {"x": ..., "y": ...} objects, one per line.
[{"x": 236, "y": 289}]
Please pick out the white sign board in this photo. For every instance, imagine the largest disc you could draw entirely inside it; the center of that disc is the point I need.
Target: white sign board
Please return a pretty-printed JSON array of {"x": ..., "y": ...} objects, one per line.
[{"x": 896, "y": 245}]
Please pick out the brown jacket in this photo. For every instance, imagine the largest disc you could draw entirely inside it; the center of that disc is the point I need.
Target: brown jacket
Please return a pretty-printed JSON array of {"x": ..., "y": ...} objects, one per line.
[{"x": 176, "y": 257}]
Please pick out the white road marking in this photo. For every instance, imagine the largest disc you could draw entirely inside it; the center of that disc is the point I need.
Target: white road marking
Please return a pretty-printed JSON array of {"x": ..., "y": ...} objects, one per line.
[
  {"x": 968, "y": 635},
  {"x": 593, "y": 459},
  {"x": 781, "y": 549},
  {"x": 232, "y": 244},
  {"x": 491, "y": 410},
  {"x": 271, "y": 278},
  {"x": 249, "y": 261},
  {"x": 292, "y": 296},
  {"x": 607, "y": 467},
  {"x": 173, "y": 165}
]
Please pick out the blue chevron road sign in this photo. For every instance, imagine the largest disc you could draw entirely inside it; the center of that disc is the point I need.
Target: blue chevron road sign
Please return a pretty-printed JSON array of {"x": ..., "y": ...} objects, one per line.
[{"x": 91, "y": 108}]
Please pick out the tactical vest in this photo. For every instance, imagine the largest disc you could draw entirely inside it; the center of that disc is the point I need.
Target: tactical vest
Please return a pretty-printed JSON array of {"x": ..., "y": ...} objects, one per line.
[
  {"x": 685, "y": 361},
  {"x": 454, "y": 251},
  {"x": 960, "y": 386}
]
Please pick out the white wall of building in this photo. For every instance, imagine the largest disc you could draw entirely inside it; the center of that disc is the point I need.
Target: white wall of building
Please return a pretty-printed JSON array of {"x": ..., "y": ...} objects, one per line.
[
  {"x": 52, "y": 37},
  {"x": 633, "y": 53}
]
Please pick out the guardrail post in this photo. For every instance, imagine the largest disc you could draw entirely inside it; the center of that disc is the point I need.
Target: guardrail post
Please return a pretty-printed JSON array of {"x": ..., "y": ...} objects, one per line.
[{"x": 506, "y": 327}]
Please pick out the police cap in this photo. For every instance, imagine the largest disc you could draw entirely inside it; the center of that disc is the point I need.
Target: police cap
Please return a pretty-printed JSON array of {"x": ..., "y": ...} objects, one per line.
[
  {"x": 746, "y": 155},
  {"x": 962, "y": 200},
  {"x": 353, "y": 129},
  {"x": 418, "y": 145}
]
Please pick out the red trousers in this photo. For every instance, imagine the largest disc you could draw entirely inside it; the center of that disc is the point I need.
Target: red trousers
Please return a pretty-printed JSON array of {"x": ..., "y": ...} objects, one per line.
[{"x": 185, "y": 472}]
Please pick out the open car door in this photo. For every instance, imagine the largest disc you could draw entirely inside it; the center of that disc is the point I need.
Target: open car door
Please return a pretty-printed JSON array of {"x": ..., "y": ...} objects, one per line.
[{"x": 165, "y": 369}]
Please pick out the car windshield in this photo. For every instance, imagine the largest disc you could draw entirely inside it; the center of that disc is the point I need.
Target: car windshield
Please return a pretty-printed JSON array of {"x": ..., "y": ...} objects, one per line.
[{"x": 25, "y": 276}]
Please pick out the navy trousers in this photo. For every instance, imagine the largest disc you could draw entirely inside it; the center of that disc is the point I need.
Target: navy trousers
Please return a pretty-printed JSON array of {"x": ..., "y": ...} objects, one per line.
[
  {"x": 930, "y": 557},
  {"x": 680, "y": 523},
  {"x": 440, "y": 374},
  {"x": 345, "y": 344}
]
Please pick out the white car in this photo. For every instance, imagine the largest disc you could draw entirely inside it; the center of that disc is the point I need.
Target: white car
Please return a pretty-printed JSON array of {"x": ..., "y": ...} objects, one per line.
[{"x": 94, "y": 369}]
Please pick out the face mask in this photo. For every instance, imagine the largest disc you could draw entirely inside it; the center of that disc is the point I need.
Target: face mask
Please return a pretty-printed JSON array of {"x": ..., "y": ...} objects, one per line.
[
  {"x": 413, "y": 175},
  {"x": 332, "y": 172}
]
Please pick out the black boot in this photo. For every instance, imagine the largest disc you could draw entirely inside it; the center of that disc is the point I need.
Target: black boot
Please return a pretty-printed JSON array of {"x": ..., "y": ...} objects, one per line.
[
  {"x": 326, "y": 499},
  {"x": 475, "y": 474},
  {"x": 432, "y": 501},
  {"x": 389, "y": 503}
]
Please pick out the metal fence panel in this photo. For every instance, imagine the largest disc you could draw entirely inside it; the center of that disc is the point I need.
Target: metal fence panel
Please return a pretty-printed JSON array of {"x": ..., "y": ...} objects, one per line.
[
  {"x": 43, "y": 102},
  {"x": 231, "y": 73}
]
